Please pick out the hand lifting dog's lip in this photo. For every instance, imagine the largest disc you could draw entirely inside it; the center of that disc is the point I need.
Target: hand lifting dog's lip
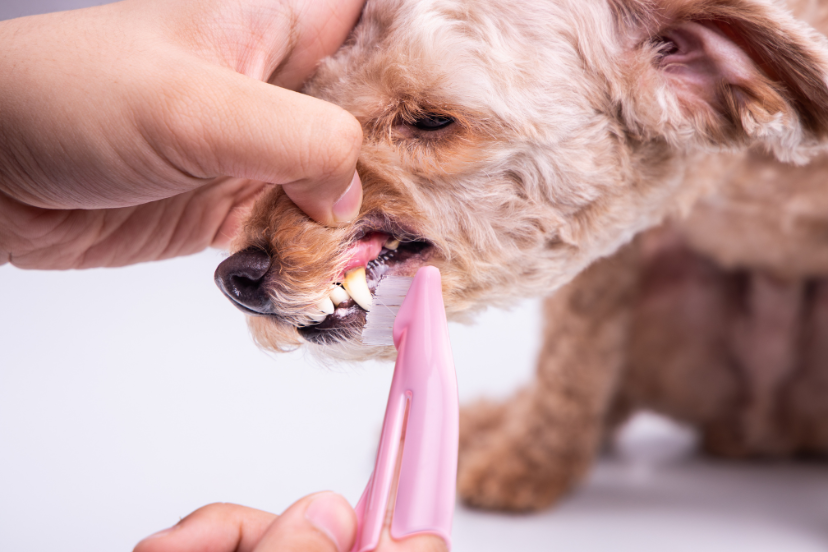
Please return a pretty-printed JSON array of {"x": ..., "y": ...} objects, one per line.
[{"x": 511, "y": 145}]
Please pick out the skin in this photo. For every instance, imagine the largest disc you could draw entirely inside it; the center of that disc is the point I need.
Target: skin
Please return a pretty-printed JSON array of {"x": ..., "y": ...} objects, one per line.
[
  {"x": 323, "y": 522},
  {"x": 142, "y": 130}
]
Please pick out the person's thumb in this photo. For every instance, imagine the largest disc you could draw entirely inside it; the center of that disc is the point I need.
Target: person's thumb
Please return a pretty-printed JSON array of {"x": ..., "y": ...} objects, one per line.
[
  {"x": 222, "y": 123},
  {"x": 323, "y": 522}
]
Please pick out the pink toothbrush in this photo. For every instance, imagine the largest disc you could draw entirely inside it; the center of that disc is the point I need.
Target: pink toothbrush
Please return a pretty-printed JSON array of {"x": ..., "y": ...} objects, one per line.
[{"x": 421, "y": 428}]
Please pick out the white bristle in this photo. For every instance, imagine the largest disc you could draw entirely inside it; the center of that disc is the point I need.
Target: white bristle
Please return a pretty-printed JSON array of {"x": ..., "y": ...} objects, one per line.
[{"x": 388, "y": 298}]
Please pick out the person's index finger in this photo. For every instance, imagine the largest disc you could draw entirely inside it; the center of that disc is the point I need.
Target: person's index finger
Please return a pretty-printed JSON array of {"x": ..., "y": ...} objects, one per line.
[
  {"x": 315, "y": 200},
  {"x": 213, "y": 528},
  {"x": 220, "y": 123}
]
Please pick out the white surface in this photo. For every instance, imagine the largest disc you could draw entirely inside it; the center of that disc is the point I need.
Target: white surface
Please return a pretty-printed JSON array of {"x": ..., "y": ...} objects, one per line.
[{"x": 130, "y": 397}]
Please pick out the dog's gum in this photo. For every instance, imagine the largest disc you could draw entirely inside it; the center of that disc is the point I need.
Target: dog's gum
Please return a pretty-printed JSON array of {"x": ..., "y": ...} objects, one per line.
[{"x": 364, "y": 251}]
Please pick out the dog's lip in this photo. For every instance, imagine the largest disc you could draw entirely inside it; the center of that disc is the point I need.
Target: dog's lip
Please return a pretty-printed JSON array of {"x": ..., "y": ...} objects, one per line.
[
  {"x": 380, "y": 223},
  {"x": 341, "y": 322}
]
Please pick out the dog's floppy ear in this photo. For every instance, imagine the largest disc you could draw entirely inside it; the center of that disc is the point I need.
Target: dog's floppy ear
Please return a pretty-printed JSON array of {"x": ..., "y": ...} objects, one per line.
[{"x": 723, "y": 73}]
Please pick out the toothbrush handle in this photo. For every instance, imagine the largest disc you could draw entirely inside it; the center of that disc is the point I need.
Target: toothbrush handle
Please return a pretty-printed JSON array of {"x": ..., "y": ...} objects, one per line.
[
  {"x": 425, "y": 387},
  {"x": 373, "y": 504},
  {"x": 428, "y": 472}
]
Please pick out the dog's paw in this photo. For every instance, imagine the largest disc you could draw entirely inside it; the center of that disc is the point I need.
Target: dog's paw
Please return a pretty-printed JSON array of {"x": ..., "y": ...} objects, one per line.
[
  {"x": 504, "y": 465},
  {"x": 498, "y": 476}
]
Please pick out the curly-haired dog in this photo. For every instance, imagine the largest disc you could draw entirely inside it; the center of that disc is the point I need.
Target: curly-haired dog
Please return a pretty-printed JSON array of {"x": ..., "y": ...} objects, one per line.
[{"x": 513, "y": 144}]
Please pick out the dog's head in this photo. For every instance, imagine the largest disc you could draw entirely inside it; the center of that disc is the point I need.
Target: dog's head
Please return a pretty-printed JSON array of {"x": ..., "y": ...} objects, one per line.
[{"x": 511, "y": 144}]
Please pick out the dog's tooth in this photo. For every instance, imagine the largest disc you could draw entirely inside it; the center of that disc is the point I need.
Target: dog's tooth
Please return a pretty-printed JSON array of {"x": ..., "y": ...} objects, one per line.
[
  {"x": 326, "y": 305},
  {"x": 357, "y": 287},
  {"x": 339, "y": 295},
  {"x": 391, "y": 244},
  {"x": 317, "y": 317}
]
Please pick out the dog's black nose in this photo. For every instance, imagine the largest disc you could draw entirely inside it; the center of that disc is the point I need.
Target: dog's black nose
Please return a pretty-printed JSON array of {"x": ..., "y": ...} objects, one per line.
[{"x": 241, "y": 277}]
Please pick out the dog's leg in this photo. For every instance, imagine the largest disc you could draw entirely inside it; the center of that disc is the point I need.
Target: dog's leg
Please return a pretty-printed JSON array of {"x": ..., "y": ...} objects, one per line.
[
  {"x": 524, "y": 454},
  {"x": 803, "y": 412}
]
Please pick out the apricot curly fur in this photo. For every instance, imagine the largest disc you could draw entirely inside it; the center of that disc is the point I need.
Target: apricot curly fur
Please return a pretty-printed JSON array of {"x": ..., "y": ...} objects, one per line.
[{"x": 572, "y": 134}]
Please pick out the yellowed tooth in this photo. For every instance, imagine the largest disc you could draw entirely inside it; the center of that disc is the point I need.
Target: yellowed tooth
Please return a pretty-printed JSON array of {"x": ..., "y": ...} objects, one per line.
[
  {"x": 339, "y": 295},
  {"x": 391, "y": 244},
  {"x": 326, "y": 306},
  {"x": 357, "y": 287}
]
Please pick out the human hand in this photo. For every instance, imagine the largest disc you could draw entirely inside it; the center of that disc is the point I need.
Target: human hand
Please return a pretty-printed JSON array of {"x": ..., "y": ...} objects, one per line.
[
  {"x": 323, "y": 522},
  {"x": 142, "y": 130}
]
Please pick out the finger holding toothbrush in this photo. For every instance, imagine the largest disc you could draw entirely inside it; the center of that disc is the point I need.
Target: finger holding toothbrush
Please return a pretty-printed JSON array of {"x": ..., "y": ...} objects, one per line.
[{"x": 321, "y": 522}]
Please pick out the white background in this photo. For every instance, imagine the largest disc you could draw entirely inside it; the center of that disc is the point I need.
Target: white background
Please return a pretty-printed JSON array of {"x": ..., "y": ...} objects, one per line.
[{"x": 129, "y": 397}]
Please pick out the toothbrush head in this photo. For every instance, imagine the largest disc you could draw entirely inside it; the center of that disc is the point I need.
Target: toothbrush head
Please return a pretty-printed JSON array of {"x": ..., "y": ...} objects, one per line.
[{"x": 388, "y": 297}]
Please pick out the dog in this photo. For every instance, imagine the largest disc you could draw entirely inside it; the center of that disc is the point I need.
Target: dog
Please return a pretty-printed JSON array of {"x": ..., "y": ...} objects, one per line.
[{"x": 521, "y": 148}]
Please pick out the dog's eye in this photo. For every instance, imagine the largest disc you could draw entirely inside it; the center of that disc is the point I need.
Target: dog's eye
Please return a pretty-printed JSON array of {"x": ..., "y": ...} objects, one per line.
[{"x": 432, "y": 122}]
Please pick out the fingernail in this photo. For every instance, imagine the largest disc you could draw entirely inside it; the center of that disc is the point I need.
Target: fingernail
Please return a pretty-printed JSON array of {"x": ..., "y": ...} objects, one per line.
[
  {"x": 332, "y": 515},
  {"x": 347, "y": 206}
]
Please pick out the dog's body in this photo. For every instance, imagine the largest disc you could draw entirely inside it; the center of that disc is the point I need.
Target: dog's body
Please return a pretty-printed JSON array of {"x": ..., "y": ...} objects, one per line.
[
  {"x": 513, "y": 145},
  {"x": 732, "y": 344}
]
